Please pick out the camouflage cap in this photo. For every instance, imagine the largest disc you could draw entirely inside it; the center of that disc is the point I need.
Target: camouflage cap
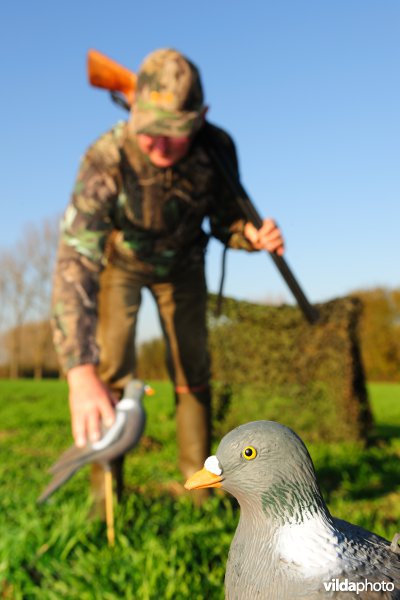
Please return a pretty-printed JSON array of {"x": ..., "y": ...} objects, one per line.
[{"x": 169, "y": 96}]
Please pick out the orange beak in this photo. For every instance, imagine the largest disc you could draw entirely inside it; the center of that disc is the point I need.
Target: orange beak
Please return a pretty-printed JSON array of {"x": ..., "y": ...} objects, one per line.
[{"x": 203, "y": 479}]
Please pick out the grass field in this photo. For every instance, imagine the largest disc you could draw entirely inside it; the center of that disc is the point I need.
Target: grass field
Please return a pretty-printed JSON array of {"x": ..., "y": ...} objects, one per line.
[{"x": 166, "y": 547}]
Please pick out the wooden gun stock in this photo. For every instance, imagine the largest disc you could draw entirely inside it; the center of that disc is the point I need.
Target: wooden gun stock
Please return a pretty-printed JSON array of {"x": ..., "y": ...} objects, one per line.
[{"x": 103, "y": 72}]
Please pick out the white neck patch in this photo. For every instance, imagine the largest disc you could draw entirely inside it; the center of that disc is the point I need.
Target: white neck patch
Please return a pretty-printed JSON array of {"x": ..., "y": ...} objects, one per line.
[
  {"x": 311, "y": 546},
  {"x": 212, "y": 465},
  {"x": 126, "y": 404}
]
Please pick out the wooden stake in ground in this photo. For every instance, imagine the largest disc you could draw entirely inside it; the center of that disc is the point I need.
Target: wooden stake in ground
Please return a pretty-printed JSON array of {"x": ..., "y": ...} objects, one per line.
[{"x": 108, "y": 485}]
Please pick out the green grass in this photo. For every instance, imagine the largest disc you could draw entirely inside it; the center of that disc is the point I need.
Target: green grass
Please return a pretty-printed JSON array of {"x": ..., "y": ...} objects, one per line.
[
  {"x": 385, "y": 399},
  {"x": 165, "y": 547}
]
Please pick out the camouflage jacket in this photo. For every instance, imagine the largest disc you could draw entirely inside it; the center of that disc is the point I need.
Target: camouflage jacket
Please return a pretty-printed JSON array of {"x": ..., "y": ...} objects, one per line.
[{"x": 127, "y": 212}]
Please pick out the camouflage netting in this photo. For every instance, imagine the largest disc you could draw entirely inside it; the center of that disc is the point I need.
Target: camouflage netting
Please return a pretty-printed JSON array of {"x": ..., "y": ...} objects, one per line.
[{"x": 269, "y": 363}]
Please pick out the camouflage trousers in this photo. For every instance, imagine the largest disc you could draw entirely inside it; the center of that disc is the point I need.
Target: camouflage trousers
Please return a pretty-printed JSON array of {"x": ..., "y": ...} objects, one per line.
[{"x": 181, "y": 303}]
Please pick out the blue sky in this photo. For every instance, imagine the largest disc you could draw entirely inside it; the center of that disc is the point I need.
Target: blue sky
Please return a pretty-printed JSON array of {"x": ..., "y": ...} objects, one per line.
[{"x": 309, "y": 90}]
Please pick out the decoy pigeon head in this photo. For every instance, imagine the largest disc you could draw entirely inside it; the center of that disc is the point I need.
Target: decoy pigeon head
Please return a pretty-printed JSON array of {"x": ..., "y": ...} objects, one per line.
[{"x": 263, "y": 462}]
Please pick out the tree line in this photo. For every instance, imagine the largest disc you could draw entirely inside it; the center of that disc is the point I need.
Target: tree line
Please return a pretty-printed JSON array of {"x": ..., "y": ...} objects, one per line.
[{"x": 26, "y": 347}]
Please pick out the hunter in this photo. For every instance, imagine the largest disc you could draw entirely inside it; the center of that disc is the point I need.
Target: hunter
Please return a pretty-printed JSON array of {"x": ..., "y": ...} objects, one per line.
[{"x": 134, "y": 221}]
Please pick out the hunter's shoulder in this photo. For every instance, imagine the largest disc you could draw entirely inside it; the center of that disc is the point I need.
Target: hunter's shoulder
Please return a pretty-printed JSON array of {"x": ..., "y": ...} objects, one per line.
[
  {"x": 105, "y": 151},
  {"x": 220, "y": 134}
]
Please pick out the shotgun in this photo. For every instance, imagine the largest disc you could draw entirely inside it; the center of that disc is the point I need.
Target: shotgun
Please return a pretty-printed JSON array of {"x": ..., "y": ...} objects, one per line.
[
  {"x": 106, "y": 73},
  {"x": 103, "y": 72}
]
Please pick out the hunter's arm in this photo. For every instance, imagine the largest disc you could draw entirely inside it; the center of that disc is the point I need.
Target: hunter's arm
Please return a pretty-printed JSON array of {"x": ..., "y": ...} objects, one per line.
[
  {"x": 85, "y": 227},
  {"x": 226, "y": 220}
]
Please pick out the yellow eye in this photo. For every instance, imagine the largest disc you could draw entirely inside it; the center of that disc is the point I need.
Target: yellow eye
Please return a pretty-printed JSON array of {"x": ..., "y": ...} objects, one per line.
[{"x": 249, "y": 453}]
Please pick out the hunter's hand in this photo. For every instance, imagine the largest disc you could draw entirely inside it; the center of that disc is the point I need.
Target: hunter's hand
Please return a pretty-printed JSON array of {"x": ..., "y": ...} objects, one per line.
[
  {"x": 268, "y": 237},
  {"x": 90, "y": 403}
]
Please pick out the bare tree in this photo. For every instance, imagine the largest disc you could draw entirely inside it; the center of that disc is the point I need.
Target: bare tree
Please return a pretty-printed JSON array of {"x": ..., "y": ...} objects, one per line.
[
  {"x": 17, "y": 293},
  {"x": 25, "y": 288},
  {"x": 3, "y": 295},
  {"x": 40, "y": 244}
]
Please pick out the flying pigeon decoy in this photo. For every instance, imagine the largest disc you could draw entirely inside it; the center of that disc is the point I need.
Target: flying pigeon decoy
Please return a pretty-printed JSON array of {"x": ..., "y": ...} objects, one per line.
[
  {"x": 122, "y": 436},
  {"x": 287, "y": 546}
]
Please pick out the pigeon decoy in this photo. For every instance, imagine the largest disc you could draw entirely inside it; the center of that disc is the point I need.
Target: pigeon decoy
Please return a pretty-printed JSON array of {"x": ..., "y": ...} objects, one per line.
[
  {"x": 287, "y": 546},
  {"x": 122, "y": 436}
]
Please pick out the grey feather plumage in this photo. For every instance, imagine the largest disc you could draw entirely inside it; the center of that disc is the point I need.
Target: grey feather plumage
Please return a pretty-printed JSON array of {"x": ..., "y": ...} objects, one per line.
[
  {"x": 287, "y": 544},
  {"x": 123, "y": 435}
]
